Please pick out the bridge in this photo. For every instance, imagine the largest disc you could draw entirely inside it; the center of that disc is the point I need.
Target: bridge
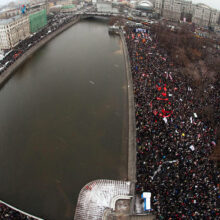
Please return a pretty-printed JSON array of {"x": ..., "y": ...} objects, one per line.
[{"x": 103, "y": 14}]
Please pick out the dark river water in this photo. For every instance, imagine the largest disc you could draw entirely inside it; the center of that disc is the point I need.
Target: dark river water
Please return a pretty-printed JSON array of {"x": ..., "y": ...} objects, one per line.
[{"x": 63, "y": 121}]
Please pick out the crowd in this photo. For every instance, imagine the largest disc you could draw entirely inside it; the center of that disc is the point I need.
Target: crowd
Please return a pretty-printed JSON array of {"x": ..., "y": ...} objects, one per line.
[
  {"x": 8, "y": 213},
  {"x": 173, "y": 142},
  {"x": 55, "y": 22}
]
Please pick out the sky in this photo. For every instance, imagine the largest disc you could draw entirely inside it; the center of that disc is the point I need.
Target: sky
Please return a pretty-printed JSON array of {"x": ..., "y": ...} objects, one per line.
[
  {"x": 3, "y": 2},
  {"x": 212, "y": 3}
]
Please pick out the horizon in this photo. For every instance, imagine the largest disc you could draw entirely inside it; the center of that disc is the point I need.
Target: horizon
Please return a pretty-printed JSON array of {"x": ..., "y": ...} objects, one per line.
[{"x": 212, "y": 3}]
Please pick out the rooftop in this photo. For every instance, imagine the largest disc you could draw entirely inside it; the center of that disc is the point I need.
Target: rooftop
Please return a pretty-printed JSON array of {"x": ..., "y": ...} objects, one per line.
[
  {"x": 203, "y": 6},
  {"x": 145, "y": 4},
  {"x": 9, "y": 20}
]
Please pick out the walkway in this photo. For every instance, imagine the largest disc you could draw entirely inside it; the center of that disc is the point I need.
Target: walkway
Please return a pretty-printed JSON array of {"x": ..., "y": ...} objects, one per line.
[{"x": 142, "y": 217}]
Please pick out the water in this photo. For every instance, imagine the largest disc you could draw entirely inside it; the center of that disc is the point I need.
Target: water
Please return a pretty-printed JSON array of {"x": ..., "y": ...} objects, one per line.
[{"x": 63, "y": 121}]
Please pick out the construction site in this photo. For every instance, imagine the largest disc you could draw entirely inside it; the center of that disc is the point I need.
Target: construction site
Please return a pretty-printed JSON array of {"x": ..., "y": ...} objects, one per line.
[{"x": 38, "y": 20}]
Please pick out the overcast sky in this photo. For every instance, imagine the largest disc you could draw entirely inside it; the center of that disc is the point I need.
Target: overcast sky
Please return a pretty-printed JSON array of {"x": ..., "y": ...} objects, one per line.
[
  {"x": 212, "y": 3},
  {"x": 3, "y": 2}
]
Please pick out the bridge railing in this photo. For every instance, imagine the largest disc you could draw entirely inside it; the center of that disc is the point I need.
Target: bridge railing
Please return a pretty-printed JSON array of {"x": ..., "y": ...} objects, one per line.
[{"x": 108, "y": 14}]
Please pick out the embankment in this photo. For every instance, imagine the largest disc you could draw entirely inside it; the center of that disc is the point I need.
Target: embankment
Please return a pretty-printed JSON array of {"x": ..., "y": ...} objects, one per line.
[{"x": 131, "y": 119}]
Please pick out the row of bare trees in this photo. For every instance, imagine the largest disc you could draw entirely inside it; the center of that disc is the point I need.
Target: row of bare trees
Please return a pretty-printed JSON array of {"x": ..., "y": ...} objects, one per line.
[
  {"x": 199, "y": 59},
  {"x": 185, "y": 48}
]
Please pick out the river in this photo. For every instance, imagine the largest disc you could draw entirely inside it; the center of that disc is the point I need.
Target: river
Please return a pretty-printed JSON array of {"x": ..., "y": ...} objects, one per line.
[{"x": 63, "y": 121}]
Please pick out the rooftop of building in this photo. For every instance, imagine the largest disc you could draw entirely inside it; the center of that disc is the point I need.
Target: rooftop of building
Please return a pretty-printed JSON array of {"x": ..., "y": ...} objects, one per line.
[
  {"x": 9, "y": 20},
  {"x": 8, "y": 10},
  {"x": 144, "y": 5},
  {"x": 204, "y": 5}
]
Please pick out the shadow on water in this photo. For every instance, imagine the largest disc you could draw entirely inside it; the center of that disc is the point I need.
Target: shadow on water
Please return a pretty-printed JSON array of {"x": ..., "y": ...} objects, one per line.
[{"x": 58, "y": 130}]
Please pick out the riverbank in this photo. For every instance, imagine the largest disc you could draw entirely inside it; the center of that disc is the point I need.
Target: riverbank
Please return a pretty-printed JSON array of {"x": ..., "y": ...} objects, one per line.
[
  {"x": 6, "y": 75},
  {"x": 131, "y": 123},
  {"x": 12, "y": 212}
]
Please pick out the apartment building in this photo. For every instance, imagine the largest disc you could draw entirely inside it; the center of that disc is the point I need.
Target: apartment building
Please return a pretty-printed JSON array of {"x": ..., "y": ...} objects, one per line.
[
  {"x": 203, "y": 15},
  {"x": 169, "y": 9},
  {"x": 200, "y": 14},
  {"x": 9, "y": 13},
  {"x": 186, "y": 11},
  {"x": 158, "y": 6},
  {"x": 64, "y": 2},
  {"x": 13, "y": 30},
  {"x": 104, "y": 7},
  {"x": 215, "y": 19}
]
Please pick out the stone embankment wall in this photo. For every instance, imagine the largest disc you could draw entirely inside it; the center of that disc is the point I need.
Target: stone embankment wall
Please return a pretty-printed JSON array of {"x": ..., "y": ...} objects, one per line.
[
  {"x": 131, "y": 126},
  {"x": 131, "y": 116}
]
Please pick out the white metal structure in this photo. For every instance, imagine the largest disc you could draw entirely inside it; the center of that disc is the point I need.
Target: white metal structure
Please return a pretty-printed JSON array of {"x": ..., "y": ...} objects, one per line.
[{"x": 97, "y": 196}]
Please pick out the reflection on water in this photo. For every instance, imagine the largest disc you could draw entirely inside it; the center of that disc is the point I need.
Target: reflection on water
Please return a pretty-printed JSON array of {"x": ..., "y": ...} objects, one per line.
[{"x": 62, "y": 119}]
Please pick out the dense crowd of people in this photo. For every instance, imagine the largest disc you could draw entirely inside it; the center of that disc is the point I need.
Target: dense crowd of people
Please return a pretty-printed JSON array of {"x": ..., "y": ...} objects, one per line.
[
  {"x": 8, "y": 213},
  {"x": 54, "y": 23},
  {"x": 173, "y": 142}
]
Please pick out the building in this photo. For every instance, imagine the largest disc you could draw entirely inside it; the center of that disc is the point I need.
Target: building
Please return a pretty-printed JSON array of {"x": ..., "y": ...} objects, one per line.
[
  {"x": 30, "y": 8},
  {"x": 68, "y": 8},
  {"x": 145, "y": 5},
  {"x": 158, "y": 6},
  {"x": 173, "y": 6},
  {"x": 186, "y": 6},
  {"x": 64, "y": 2},
  {"x": 204, "y": 15},
  {"x": 38, "y": 20},
  {"x": 8, "y": 13},
  {"x": 13, "y": 30},
  {"x": 199, "y": 14},
  {"x": 104, "y": 7},
  {"x": 35, "y": 7},
  {"x": 55, "y": 8},
  {"x": 215, "y": 20},
  {"x": 186, "y": 11},
  {"x": 171, "y": 9}
]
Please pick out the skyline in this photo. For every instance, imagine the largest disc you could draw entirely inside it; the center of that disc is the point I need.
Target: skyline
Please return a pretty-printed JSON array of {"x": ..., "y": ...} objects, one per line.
[{"x": 212, "y": 3}]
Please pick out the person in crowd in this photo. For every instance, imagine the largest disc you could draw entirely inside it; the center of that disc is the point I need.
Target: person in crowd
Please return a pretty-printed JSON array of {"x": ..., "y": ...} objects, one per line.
[
  {"x": 173, "y": 142},
  {"x": 8, "y": 213}
]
